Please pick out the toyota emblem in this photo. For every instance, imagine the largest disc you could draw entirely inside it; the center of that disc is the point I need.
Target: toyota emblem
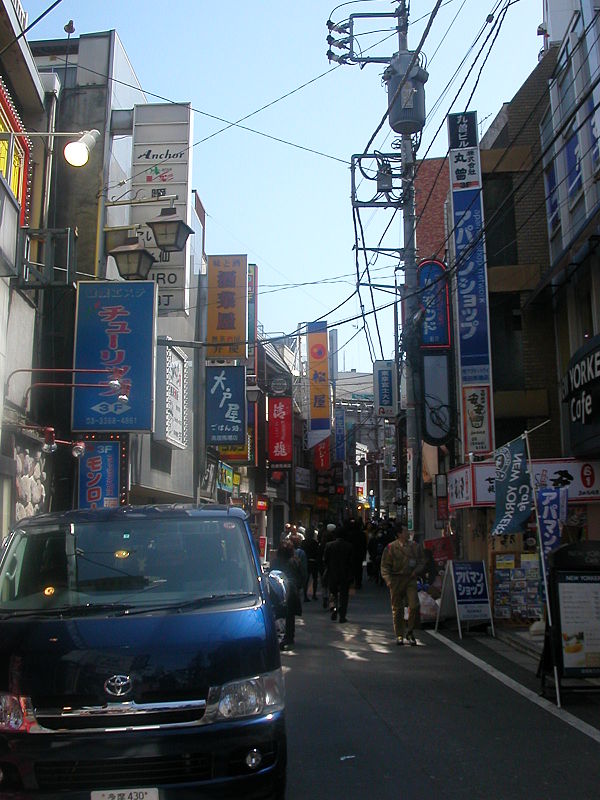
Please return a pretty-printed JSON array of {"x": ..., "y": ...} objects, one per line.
[{"x": 118, "y": 685}]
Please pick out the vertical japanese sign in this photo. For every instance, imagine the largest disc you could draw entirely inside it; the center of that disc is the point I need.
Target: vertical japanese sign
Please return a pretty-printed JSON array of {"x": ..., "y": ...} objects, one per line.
[
  {"x": 513, "y": 488},
  {"x": 280, "y": 431},
  {"x": 99, "y": 477},
  {"x": 252, "y": 317},
  {"x": 433, "y": 286},
  {"x": 172, "y": 381},
  {"x": 476, "y": 417},
  {"x": 340, "y": 434},
  {"x": 322, "y": 460},
  {"x": 162, "y": 165},
  {"x": 115, "y": 329},
  {"x": 318, "y": 372},
  {"x": 410, "y": 490},
  {"x": 225, "y": 405},
  {"x": 227, "y": 293},
  {"x": 552, "y": 510},
  {"x": 471, "y": 269},
  {"x": 385, "y": 388}
]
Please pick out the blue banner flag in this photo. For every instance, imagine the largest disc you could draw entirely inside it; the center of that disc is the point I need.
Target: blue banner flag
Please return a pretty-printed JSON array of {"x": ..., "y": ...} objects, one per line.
[
  {"x": 552, "y": 509},
  {"x": 514, "y": 501}
]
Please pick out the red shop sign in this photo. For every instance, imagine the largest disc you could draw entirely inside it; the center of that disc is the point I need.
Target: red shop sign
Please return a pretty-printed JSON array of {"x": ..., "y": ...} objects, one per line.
[{"x": 280, "y": 430}]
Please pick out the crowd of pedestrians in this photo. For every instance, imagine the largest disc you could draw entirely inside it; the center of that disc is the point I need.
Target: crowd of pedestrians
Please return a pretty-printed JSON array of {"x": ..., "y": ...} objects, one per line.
[{"x": 331, "y": 560}]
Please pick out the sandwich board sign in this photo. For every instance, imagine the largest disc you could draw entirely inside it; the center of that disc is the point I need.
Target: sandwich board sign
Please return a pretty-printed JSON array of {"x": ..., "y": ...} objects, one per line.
[{"x": 465, "y": 594}]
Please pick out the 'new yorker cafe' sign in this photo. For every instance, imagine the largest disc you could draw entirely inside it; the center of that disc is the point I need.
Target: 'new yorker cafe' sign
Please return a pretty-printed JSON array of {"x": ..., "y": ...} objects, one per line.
[{"x": 580, "y": 391}]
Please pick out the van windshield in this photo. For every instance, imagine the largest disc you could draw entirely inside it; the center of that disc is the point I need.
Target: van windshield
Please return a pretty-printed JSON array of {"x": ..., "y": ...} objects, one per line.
[{"x": 131, "y": 563}]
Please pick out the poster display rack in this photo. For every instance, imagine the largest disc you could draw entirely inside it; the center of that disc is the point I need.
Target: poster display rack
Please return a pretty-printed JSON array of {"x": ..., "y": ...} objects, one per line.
[{"x": 571, "y": 650}]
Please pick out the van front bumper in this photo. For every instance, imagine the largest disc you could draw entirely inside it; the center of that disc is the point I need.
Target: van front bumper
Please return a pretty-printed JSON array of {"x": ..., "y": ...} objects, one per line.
[{"x": 210, "y": 761}]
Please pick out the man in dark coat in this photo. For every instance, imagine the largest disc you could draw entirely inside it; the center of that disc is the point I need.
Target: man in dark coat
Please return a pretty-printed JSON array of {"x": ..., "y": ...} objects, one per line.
[
  {"x": 287, "y": 562},
  {"x": 337, "y": 559},
  {"x": 355, "y": 533}
]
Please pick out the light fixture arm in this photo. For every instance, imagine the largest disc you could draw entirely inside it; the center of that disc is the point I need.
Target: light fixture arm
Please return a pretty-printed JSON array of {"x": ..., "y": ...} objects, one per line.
[
  {"x": 61, "y": 371},
  {"x": 49, "y": 384},
  {"x": 142, "y": 201},
  {"x": 76, "y": 152}
]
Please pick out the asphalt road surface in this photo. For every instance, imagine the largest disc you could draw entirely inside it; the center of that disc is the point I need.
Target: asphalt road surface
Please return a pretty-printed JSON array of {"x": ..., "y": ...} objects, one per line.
[{"x": 449, "y": 718}]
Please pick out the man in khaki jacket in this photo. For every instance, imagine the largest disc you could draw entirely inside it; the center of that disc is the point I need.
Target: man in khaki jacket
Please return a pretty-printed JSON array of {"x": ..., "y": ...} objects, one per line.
[{"x": 401, "y": 563}]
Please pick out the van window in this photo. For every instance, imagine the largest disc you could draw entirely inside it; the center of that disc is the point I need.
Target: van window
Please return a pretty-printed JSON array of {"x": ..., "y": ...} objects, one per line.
[{"x": 136, "y": 560}]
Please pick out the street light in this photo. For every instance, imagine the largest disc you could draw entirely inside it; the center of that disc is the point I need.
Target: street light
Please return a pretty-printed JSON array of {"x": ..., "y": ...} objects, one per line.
[
  {"x": 170, "y": 231},
  {"x": 253, "y": 391},
  {"x": 133, "y": 259},
  {"x": 77, "y": 153},
  {"x": 51, "y": 442}
]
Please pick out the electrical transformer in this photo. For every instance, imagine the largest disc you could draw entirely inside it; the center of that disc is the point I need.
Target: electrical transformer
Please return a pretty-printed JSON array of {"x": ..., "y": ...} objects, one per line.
[{"x": 407, "y": 105}]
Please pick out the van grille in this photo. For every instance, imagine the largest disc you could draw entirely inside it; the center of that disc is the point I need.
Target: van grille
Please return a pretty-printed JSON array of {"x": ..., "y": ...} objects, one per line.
[
  {"x": 100, "y": 722},
  {"x": 116, "y": 773}
]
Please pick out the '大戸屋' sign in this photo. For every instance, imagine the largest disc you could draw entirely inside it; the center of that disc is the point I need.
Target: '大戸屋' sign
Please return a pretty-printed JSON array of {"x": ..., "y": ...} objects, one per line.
[{"x": 225, "y": 405}]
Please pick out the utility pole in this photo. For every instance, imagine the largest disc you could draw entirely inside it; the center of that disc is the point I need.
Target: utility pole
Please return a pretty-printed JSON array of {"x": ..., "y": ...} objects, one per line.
[
  {"x": 410, "y": 303},
  {"x": 393, "y": 176}
]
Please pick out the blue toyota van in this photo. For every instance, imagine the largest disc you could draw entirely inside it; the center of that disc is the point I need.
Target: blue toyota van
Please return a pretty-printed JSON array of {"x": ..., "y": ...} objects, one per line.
[{"x": 139, "y": 658}]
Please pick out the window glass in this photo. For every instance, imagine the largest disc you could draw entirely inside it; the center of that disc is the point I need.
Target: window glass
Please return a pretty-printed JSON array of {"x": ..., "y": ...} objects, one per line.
[{"x": 136, "y": 562}]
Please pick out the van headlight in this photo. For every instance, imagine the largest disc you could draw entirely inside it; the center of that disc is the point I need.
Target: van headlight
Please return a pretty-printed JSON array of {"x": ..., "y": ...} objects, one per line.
[
  {"x": 249, "y": 697},
  {"x": 16, "y": 713}
]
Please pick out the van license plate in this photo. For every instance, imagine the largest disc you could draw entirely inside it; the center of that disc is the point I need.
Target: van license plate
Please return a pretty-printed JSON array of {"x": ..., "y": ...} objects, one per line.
[{"x": 126, "y": 794}]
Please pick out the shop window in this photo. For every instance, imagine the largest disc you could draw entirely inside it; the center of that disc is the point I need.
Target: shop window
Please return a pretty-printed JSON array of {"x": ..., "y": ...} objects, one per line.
[
  {"x": 583, "y": 309},
  {"x": 500, "y": 229},
  {"x": 566, "y": 91},
  {"x": 562, "y": 333},
  {"x": 507, "y": 342},
  {"x": 160, "y": 457},
  {"x": 12, "y": 171}
]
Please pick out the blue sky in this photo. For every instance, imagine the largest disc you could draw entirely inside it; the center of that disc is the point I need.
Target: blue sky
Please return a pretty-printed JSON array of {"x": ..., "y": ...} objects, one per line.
[{"x": 288, "y": 208}]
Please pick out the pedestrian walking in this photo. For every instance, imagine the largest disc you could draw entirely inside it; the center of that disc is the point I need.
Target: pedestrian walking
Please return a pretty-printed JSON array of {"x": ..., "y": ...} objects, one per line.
[
  {"x": 328, "y": 535},
  {"x": 356, "y": 536},
  {"x": 311, "y": 548},
  {"x": 297, "y": 539},
  {"x": 401, "y": 564},
  {"x": 287, "y": 562},
  {"x": 338, "y": 564},
  {"x": 382, "y": 539}
]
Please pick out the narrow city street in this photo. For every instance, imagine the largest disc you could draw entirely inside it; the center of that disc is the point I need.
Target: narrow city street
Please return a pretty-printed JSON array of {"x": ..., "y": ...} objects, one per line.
[{"x": 448, "y": 718}]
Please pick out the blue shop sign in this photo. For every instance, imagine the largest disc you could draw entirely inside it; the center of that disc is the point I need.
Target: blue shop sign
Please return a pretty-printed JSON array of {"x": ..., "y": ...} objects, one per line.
[
  {"x": 115, "y": 331},
  {"x": 99, "y": 476},
  {"x": 225, "y": 405},
  {"x": 431, "y": 279},
  {"x": 471, "y": 282}
]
